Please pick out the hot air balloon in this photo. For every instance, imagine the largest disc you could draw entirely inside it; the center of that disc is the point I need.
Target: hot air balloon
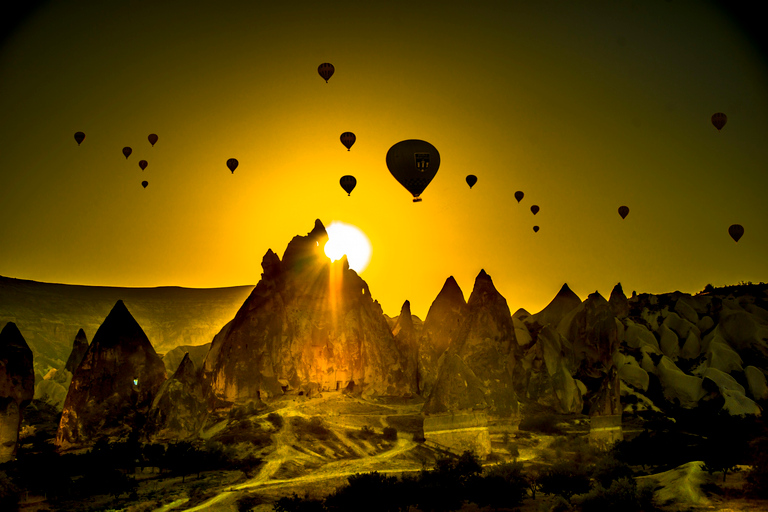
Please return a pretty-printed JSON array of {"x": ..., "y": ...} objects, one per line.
[
  {"x": 232, "y": 163},
  {"x": 127, "y": 152},
  {"x": 152, "y": 138},
  {"x": 471, "y": 180},
  {"x": 143, "y": 164},
  {"x": 79, "y": 137},
  {"x": 736, "y": 231},
  {"x": 326, "y": 70},
  {"x": 624, "y": 211},
  {"x": 348, "y": 138},
  {"x": 348, "y": 184},
  {"x": 413, "y": 163},
  {"x": 144, "y": 184},
  {"x": 719, "y": 119},
  {"x": 535, "y": 209},
  {"x": 519, "y": 196},
  {"x": 535, "y": 229}
]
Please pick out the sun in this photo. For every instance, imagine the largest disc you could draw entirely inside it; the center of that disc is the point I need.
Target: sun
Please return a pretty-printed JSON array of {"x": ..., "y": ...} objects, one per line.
[{"x": 347, "y": 239}]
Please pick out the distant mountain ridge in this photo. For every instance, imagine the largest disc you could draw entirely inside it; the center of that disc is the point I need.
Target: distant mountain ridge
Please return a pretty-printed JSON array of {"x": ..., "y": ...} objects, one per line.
[{"x": 50, "y": 315}]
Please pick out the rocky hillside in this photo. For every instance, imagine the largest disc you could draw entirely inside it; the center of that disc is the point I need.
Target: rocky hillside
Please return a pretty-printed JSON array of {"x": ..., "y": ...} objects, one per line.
[{"x": 49, "y": 316}]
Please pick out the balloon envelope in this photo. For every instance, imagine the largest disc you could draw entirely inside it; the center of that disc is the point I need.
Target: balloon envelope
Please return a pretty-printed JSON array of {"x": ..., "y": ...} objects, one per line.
[
  {"x": 326, "y": 70},
  {"x": 471, "y": 180},
  {"x": 413, "y": 163},
  {"x": 519, "y": 196},
  {"x": 348, "y": 138},
  {"x": 535, "y": 229},
  {"x": 127, "y": 151},
  {"x": 232, "y": 163},
  {"x": 143, "y": 164},
  {"x": 535, "y": 209},
  {"x": 144, "y": 184},
  {"x": 624, "y": 211},
  {"x": 719, "y": 119},
  {"x": 79, "y": 137},
  {"x": 736, "y": 231},
  {"x": 348, "y": 183},
  {"x": 152, "y": 138}
]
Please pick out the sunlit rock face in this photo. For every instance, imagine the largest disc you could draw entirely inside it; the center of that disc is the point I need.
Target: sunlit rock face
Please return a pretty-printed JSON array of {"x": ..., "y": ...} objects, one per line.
[
  {"x": 486, "y": 345},
  {"x": 114, "y": 385},
  {"x": 444, "y": 318},
  {"x": 17, "y": 386},
  {"x": 179, "y": 410},
  {"x": 308, "y": 326}
]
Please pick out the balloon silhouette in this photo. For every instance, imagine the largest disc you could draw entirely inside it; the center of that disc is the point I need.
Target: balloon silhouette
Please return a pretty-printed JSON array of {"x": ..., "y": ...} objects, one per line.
[
  {"x": 232, "y": 163},
  {"x": 471, "y": 180},
  {"x": 719, "y": 119},
  {"x": 623, "y": 211},
  {"x": 535, "y": 209},
  {"x": 326, "y": 70},
  {"x": 413, "y": 163},
  {"x": 152, "y": 138},
  {"x": 79, "y": 137},
  {"x": 535, "y": 229},
  {"x": 348, "y": 184},
  {"x": 127, "y": 152},
  {"x": 144, "y": 184},
  {"x": 519, "y": 196},
  {"x": 348, "y": 138},
  {"x": 736, "y": 231},
  {"x": 143, "y": 164}
]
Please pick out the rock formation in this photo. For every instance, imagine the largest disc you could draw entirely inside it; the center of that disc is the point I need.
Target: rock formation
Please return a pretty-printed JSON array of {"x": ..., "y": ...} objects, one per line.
[
  {"x": 79, "y": 348},
  {"x": 17, "y": 386},
  {"x": 406, "y": 337},
  {"x": 114, "y": 385},
  {"x": 486, "y": 345},
  {"x": 179, "y": 409},
  {"x": 309, "y": 325},
  {"x": 52, "y": 388},
  {"x": 173, "y": 358},
  {"x": 444, "y": 318},
  {"x": 564, "y": 302}
]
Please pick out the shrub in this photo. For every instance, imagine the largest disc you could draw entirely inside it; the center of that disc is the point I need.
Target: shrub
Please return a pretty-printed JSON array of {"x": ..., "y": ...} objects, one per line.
[
  {"x": 275, "y": 419},
  {"x": 390, "y": 434},
  {"x": 565, "y": 479}
]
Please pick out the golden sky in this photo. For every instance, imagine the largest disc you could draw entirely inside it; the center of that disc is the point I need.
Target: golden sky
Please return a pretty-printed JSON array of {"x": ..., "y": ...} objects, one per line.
[{"x": 584, "y": 106}]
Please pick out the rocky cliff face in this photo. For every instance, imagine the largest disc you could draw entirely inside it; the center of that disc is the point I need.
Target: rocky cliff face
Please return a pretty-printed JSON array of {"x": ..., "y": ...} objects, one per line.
[
  {"x": 308, "y": 326},
  {"x": 79, "y": 349},
  {"x": 17, "y": 386},
  {"x": 179, "y": 410},
  {"x": 444, "y": 318},
  {"x": 486, "y": 345},
  {"x": 114, "y": 385}
]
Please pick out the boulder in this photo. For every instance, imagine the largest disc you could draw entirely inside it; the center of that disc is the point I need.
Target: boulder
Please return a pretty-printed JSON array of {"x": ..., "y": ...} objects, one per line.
[
  {"x": 114, "y": 385},
  {"x": 686, "y": 311},
  {"x": 17, "y": 387},
  {"x": 635, "y": 376},
  {"x": 756, "y": 380},
  {"x": 691, "y": 346},
  {"x": 721, "y": 356},
  {"x": 737, "y": 404},
  {"x": 676, "y": 385},
  {"x": 637, "y": 336},
  {"x": 668, "y": 342},
  {"x": 716, "y": 380},
  {"x": 705, "y": 323},
  {"x": 680, "y": 325}
]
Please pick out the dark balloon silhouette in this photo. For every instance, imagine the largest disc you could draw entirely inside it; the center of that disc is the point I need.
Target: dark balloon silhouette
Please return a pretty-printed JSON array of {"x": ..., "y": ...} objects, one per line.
[
  {"x": 736, "y": 231},
  {"x": 348, "y": 183},
  {"x": 623, "y": 211},
  {"x": 232, "y": 163},
  {"x": 471, "y": 180},
  {"x": 535, "y": 209},
  {"x": 152, "y": 138},
  {"x": 348, "y": 138},
  {"x": 326, "y": 70},
  {"x": 535, "y": 229},
  {"x": 127, "y": 151},
  {"x": 414, "y": 164},
  {"x": 719, "y": 119},
  {"x": 79, "y": 137},
  {"x": 519, "y": 196},
  {"x": 143, "y": 164},
  {"x": 144, "y": 184}
]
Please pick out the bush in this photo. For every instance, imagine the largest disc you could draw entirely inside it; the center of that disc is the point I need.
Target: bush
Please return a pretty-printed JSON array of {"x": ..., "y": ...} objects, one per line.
[
  {"x": 621, "y": 495},
  {"x": 544, "y": 423},
  {"x": 390, "y": 434},
  {"x": 565, "y": 479},
  {"x": 275, "y": 419}
]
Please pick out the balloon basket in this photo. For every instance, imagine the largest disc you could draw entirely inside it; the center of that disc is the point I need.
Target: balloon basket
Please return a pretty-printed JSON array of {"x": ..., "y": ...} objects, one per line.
[{"x": 416, "y": 199}]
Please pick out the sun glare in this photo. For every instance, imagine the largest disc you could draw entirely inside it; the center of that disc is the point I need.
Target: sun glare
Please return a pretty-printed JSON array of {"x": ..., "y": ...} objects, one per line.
[{"x": 347, "y": 239}]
